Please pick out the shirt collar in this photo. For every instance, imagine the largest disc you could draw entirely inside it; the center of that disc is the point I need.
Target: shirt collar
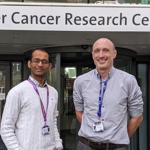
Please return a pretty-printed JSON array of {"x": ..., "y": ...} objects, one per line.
[
  {"x": 110, "y": 74},
  {"x": 37, "y": 83}
]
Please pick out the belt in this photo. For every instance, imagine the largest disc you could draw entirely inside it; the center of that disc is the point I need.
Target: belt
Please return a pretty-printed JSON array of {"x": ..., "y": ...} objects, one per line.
[{"x": 99, "y": 145}]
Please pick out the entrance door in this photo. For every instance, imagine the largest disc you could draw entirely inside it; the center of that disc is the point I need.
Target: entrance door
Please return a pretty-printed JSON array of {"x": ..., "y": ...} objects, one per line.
[
  {"x": 72, "y": 65},
  {"x": 4, "y": 87},
  {"x": 67, "y": 118}
]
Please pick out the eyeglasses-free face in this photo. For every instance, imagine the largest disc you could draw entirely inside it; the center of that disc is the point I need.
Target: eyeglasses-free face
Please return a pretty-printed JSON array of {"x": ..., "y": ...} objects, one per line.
[
  {"x": 103, "y": 54},
  {"x": 36, "y": 61}
]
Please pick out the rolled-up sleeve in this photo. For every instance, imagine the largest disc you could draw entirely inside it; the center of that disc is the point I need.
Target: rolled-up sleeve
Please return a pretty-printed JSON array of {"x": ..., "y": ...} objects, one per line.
[
  {"x": 77, "y": 95},
  {"x": 135, "y": 101}
]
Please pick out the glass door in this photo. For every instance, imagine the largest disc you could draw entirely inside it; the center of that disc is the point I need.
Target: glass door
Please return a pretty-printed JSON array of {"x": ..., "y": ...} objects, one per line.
[
  {"x": 4, "y": 87},
  {"x": 72, "y": 65},
  {"x": 143, "y": 80},
  {"x": 68, "y": 118}
]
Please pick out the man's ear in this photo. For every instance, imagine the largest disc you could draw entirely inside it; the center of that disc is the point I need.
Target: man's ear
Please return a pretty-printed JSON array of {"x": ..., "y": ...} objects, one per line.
[
  {"x": 29, "y": 64},
  {"x": 115, "y": 53},
  {"x": 50, "y": 66}
]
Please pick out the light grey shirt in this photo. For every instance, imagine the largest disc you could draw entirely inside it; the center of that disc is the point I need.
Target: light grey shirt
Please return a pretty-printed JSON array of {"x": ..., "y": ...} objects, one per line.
[
  {"x": 22, "y": 121},
  {"x": 122, "y": 95}
]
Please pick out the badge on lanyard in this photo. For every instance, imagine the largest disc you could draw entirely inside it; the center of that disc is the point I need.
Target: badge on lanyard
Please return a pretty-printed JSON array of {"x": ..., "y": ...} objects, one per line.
[
  {"x": 98, "y": 127},
  {"x": 45, "y": 130}
]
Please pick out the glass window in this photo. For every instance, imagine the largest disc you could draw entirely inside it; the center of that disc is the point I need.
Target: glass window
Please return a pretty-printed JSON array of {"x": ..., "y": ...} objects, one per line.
[
  {"x": 58, "y": 1},
  {"x": 3, "y": 89},
  {"x": 143, "y": 81},
  {"x": 16, "y": 73},
  {"x": 11, "y": 1},
  {"x": 120, "y": 1},
  {"x": 132, "y": 1},
  {"x": 122, "y": 64},
  {"x": 51, "y": 75},
  {"x": 145, "y": 1},
  {"x": 86, "y": 69},
  {"x": 104, "y": 1},
  {"x": 70, "y": 75},
  {"x": 68, "y": 129},
  {"x": 2, "y": 84}
]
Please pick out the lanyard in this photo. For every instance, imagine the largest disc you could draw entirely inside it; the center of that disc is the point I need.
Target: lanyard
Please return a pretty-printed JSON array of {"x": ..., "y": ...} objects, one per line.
[
  {"x": 101, "y": 95},
  {"x": 42, "y": 106}
]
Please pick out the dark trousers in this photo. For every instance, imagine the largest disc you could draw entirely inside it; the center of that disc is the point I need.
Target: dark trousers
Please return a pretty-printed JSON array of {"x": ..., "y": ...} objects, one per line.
[
  {"x": 82, "y": 146},
  {"x": 2, "y": 145}
]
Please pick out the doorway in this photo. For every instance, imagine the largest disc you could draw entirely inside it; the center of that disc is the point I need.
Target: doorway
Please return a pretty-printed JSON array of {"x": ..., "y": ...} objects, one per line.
[
  {"x": 4, "y": 87},
  {"x": 10, "y": 75},
  {"x": 72, "y": 65}
]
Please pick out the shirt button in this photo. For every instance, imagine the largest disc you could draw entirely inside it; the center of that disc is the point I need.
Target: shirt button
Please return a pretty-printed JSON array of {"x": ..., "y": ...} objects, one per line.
[{"x": 102, "y": 119}]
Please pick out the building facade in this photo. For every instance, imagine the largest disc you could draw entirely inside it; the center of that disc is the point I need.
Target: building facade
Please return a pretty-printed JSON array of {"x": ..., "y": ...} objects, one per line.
[{"x": 67, "y": 29}]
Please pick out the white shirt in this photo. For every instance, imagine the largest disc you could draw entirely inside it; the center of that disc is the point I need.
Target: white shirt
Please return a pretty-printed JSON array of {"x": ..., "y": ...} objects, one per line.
[{"x": 22, "y": 119}]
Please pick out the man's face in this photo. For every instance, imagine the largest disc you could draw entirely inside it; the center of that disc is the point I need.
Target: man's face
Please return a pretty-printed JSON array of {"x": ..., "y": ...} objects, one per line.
[
  {"x": 103, "y": 54},
  {"x": 39, "y": 64}
]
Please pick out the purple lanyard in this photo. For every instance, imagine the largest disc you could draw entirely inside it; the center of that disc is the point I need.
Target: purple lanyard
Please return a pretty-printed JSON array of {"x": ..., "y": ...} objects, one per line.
[
  {"x": 101, "y": 95},
  {"x": 42, "y": 106}
]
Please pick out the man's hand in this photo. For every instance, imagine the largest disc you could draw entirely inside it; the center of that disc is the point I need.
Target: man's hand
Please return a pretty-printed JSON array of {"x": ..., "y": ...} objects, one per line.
[{"x": 133, "y": 124}]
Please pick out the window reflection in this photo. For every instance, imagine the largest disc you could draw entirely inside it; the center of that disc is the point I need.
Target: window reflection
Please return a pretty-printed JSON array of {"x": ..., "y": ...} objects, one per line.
[
  {"x": 84, "y": 1},
  {"x": 58, "y": 1},
  {"x": 2, "y": 84},
  {"x": 122, "y": 64},
  {"x": 143, "y": 83},
  {"x": 11, "y": 1},
  {"x": 68, "y": 129},
  {"x": 51, "y": 77},
  {"x": 16, "y": 75}
]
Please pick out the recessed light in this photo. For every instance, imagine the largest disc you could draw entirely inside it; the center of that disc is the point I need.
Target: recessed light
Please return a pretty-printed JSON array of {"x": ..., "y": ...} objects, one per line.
[
  {"x": 142, "y": 47},
  {"x": 15, "y": 37}
]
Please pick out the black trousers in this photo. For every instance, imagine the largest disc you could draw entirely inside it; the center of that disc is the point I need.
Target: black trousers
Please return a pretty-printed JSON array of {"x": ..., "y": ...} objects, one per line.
[
  {"x": 2, "y": 145},
  {"x": 82, "y": 146}
]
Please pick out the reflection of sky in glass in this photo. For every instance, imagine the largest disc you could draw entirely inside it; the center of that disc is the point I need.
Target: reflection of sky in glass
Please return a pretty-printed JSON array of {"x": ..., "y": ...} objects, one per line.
[{"x": 71, "y": 72}]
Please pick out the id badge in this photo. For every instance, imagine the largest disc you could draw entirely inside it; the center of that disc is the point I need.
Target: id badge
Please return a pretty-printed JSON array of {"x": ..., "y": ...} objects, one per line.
[
  {"x": 98, "y": 127},
  {"x": 45, "y": 130}
]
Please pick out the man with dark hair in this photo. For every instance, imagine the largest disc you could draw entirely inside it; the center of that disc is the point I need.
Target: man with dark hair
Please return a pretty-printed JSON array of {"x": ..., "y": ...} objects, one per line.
[
  {"x": 103, "y": 98},
  {"x": 42, "y": 49},
  {"x": 29, "y": 120}
]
